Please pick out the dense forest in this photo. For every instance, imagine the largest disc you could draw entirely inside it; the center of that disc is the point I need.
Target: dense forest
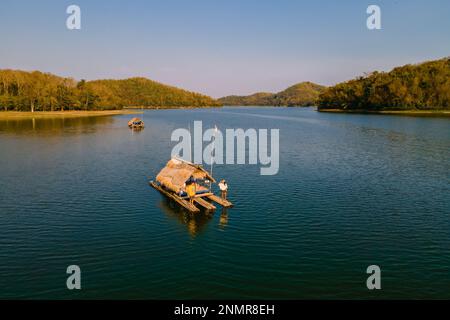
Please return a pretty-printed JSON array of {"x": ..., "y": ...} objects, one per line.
[
  {"x": 301, "y": 94},
  {"x": 38, "y": 91},
  {"x": 424, "y": 86}
]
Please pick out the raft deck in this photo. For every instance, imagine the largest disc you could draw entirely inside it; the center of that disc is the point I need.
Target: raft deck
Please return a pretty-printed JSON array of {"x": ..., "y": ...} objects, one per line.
[
  {"x": 224, "y": 203},
  {"x": 185, "y": 204},
  {"x": 198, "y": 199},
  {"x": 205, "y": 204}
]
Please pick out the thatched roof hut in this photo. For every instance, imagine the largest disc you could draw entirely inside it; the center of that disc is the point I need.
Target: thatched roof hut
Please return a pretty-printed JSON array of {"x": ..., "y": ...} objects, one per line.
[
  {"x": 135, "y": 122},
  {"x": 177, "y": 171},
  {"x": 171, "y": 182}
]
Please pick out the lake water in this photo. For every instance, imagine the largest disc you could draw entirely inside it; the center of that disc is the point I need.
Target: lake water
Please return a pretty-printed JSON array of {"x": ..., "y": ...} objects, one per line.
[{"x": 352, "y": 191}]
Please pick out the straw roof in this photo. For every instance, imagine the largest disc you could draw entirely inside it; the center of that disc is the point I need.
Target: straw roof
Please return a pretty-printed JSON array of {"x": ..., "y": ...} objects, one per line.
[
  {"x": 176, "y": 172},
  {"x": 134, "y": 120}
]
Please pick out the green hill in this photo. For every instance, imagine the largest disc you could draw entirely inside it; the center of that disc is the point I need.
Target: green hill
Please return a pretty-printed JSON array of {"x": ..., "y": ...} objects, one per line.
[
  {"x": 38, "y": 91},
  {"x": 424, "y": 86},
  {"x": 301, "y": 94},
  {"x": 146, "y": 93},
  {"x": 256, "y": 99}
]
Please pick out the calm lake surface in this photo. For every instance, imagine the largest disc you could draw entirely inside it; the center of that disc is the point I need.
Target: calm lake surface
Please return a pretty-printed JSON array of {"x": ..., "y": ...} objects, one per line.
[{"x": 352, "y": 191}]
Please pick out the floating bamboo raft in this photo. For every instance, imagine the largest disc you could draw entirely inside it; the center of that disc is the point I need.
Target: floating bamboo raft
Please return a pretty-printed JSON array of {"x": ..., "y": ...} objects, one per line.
[
  {"x": 172, "y": 178},
  {"x": 136, "y": 123},
  {"x": 182, "y": 202},
  {"x": 222, "y": 202}
]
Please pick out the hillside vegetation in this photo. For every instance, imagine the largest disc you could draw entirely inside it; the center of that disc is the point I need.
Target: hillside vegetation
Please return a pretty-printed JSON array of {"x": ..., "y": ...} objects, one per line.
[
  {"x": 38, "y": 91},
  {"x": 424, "y": 86},
  {"x": 301, "y": 94}
]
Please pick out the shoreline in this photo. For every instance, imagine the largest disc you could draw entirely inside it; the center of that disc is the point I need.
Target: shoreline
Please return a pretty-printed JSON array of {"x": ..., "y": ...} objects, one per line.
[
  {"x": 17, "y": 115},
  {"x": 171, "y": 107},
  {"x": 440, "y": 113}
]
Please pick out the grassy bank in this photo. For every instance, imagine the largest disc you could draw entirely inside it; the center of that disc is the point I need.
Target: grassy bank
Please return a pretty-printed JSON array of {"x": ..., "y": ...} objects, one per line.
[
  {"x": 7, "y": 115},
  {"x": 437, "y": 113}
]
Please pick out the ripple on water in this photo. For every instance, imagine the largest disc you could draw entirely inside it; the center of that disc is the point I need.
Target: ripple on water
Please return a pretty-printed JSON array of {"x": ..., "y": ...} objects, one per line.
[{"x": 351, "y": 191}]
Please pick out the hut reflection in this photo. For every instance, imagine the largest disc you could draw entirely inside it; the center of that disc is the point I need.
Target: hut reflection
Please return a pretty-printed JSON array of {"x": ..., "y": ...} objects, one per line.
[
  {"x": 194, "y": 222},
  {"x": 136, "y": 130}
]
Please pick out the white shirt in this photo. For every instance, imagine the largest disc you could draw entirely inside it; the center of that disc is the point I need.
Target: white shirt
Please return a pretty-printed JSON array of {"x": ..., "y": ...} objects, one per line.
[{"x": 223, "y": 186}]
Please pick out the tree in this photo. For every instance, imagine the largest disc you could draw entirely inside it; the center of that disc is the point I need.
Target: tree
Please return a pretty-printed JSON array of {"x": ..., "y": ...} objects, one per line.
[
  {"x": 37, "y": 91},
  {"x": 422, "y": 86}
]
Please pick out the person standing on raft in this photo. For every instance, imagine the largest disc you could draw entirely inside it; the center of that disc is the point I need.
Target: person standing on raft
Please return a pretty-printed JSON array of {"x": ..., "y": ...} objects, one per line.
[
  {"x": 191, "y": 189},
  {"x": 223, "y": 186}
]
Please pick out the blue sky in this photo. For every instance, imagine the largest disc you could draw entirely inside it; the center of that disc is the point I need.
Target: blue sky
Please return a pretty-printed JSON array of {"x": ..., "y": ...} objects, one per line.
[{"x": 222, "y": 47}]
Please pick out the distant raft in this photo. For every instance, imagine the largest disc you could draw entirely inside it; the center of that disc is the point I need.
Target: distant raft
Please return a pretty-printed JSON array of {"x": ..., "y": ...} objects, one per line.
[
  {"x": 136, "y": 123},
  {"x": 173, "y": 178}
]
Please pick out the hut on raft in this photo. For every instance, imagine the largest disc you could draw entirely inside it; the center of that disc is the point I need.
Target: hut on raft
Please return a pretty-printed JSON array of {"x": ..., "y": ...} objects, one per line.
[
  {"x": 136, "y": 123},
  {"x": 172, "y": 179}
]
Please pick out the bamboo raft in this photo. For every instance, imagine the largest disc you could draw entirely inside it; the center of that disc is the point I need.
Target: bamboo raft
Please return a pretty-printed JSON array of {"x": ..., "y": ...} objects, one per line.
[
  {"x": 170, "y": 181},
  {"x": 182, "y": 202},
  {"x": 136, "y": 123}
]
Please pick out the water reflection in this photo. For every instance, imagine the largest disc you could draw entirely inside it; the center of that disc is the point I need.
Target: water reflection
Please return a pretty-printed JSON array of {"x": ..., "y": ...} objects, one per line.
[
  {"x": 53, "y": 125},
  {"x": 136, "y": 130},
  {"x": 195, "y": 223},
  {"x": 223, "y": 221}
]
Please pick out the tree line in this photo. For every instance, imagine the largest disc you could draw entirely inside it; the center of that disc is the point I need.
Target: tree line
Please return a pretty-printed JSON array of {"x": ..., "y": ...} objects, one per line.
[
  {"x": 424, "y": 86},
  {"x": 38, "y": 91},
  {"x": 300, "y": 95}
]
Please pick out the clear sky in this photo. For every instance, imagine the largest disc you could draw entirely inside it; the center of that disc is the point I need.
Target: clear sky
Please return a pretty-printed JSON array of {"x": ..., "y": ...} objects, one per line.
[{"x": 222, "y": 47}]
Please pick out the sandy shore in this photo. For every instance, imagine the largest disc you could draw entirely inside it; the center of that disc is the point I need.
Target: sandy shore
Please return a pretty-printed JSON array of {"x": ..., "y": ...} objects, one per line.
[{"x": 6, "y": 115}]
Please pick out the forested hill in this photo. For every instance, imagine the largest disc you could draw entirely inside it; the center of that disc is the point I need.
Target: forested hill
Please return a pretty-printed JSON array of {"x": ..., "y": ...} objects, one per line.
[
  {"x": 256, "y": 99},
  {"x": 147, "y": 93},
  {"x": 301, "y": 94},
  {"x": 424, "y": 86},
  {"x": 37, "y": 91}
]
